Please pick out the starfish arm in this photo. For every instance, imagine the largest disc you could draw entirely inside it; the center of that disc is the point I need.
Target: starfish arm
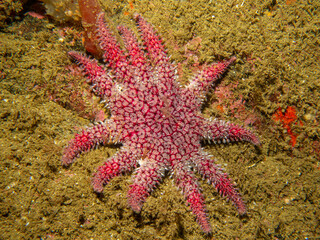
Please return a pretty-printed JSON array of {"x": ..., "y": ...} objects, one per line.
[
  {"x": 136, "y": 54},
  {"x": 99, "y": 134},
  {"x": 164, "y": 70},
  {"x": 113, "y": 54},
  {"x": 121, "y": 163},
  {"x": 202, "y": 82},
  {"x": 152, "y": 41},
  {"x": 89, "y": 66},
  {"x": 147, "y": 177},
  {"x": 102, "y": 82},
  {"x": 221, "y": 131},
  {"x": 187, "y": 182},
  {"x": 211, "y": 171}
]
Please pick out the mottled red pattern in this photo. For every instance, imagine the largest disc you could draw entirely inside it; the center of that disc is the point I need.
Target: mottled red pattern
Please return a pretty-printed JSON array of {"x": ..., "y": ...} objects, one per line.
[{"x": 158, "y": 122}]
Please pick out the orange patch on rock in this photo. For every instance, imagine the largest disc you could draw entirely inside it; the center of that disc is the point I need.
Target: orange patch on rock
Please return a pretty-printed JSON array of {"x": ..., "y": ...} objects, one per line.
[{"x": 286, "y": 119}]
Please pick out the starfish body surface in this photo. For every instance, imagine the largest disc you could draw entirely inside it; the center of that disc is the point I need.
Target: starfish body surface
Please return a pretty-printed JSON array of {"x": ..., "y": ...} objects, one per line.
[{"x": 158, "y": 122}]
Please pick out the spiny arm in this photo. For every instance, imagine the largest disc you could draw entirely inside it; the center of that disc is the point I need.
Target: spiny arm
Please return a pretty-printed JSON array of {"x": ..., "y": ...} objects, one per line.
[
  {"x": 113, "y": 55},
  {"x": 145, "y": 180},
  {"x": 102, "y": 82},
  {"x": 221, "y": 131},
  {"x": 187, "y": 182},
  {"x": 120, "y": 163},
  {"x": 210, "y": 171},
  {"x": 164, "y": 69},
  {"x": 151, "y": 41},
  {"x": 203, "y": 81},
  {"x": 89, "y": 138},
  {"x": 136, "y": 54}
]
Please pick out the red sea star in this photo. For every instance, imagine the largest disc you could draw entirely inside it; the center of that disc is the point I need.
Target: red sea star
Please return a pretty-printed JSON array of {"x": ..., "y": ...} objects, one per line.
[{"x": 158, "y": 122}]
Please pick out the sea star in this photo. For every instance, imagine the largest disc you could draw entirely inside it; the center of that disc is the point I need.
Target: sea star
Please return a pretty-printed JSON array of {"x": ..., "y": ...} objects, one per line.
[{"x": 158, "y": 122}]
